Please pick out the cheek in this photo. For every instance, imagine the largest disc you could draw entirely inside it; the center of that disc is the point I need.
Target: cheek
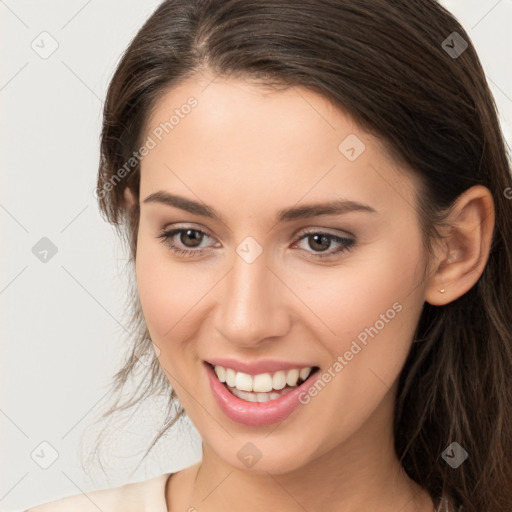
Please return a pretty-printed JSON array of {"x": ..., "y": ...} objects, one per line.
[
  {"x": 367, "y": 309},
  {"x": 168, "y": 292},
  {"x": 373, "y": 310}
]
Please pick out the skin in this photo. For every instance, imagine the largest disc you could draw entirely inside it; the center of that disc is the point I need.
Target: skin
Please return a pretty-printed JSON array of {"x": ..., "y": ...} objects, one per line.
[{"x": 247, "y": 152}]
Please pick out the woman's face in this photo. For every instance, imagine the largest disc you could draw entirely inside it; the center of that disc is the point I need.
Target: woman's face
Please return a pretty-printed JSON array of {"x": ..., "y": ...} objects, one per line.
[{"x": 304, "y": 251}]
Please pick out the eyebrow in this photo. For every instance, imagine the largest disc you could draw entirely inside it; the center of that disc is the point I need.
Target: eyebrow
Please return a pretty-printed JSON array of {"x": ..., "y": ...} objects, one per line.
[{"x": 337, "y": 207}]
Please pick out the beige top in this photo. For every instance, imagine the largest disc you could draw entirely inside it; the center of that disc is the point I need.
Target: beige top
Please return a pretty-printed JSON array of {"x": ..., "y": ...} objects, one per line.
[{"x": 145, "y": 496}]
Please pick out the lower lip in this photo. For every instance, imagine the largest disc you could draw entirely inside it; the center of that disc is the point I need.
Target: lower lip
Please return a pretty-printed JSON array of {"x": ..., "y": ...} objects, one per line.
[{"x": 255, "y": 414}]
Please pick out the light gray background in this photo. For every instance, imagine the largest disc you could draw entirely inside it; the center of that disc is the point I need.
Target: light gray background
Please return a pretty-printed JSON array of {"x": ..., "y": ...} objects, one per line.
[{"x": 62, "y": 321}]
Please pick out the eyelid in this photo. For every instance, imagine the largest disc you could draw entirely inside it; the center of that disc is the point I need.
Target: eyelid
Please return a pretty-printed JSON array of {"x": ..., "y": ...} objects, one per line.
[
  {"x": 185, "y": 226},
  {"x": 326, "y": 231}
]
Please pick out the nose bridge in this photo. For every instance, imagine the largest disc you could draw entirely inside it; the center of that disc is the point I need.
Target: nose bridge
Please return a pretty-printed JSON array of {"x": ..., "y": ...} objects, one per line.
[{"x": 251, "y": 305}]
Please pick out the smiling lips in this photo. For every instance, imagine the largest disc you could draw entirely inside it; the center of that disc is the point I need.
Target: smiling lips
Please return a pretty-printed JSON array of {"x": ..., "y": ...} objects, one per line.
[{"x": 258, "y": 399}]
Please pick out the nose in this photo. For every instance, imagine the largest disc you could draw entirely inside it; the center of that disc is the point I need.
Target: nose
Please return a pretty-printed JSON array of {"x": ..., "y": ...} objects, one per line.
[{"x": 252, "y": 304}]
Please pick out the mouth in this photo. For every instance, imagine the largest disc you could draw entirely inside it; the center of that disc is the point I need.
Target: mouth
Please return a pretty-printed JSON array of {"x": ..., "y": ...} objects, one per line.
[
  {"x": 259, "y": 399},
  {"x": 262, "y": 387}
]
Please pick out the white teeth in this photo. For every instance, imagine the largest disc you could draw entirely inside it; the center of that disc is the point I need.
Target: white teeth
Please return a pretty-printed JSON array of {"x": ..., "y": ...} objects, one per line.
[
  {"x": 221, "y": 373},
  {"x": 292, "y": 377},
  {"x": 245, "y": 395},
  {"x": 263, "y": 382},
  {"x": 230, "y": 377},
  {"x": 279, "y": 379},
  {"x": 304, "y": 373},
  {"x": 243, "y": 381},
  {"x": 258, "y": 397}
]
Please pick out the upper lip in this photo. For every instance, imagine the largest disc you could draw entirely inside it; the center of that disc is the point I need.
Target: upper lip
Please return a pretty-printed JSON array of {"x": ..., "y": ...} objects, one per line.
[{"x": 257, "y": 367}]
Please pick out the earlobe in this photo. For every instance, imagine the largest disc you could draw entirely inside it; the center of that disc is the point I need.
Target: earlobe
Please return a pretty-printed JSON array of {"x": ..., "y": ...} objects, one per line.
[
  {"x": 129, "y": 197},
  {"x": 465, "y": 247}
]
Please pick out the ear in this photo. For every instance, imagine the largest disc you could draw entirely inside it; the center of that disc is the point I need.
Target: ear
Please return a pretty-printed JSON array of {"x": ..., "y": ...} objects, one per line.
[
  {"x": 462, "y": 253},
  {"x": 129, "y": 197}
]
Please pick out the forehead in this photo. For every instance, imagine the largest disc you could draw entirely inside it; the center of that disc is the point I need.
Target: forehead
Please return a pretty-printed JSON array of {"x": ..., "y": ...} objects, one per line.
[
  {"x": 241, "y": 107},
  {"x": 263, "y": 142}
]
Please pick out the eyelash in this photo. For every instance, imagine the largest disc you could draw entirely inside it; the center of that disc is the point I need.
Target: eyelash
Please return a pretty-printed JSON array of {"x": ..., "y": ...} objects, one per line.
[{"x": 166, "y": 235}]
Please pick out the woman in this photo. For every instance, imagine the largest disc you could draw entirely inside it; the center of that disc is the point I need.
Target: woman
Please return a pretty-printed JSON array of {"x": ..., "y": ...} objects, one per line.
[{"x": 316, "y": 197}]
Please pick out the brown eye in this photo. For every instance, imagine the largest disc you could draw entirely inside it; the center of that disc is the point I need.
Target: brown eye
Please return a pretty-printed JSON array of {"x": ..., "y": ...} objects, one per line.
[
  {"x": 185, "y": 241},
  {"x": 193, "y": 236},
  {"x": 319, "y": 242}
]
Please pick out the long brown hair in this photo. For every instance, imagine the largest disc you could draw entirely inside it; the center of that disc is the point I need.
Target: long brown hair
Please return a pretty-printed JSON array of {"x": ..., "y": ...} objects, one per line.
[{"x": 386, "y": 63}]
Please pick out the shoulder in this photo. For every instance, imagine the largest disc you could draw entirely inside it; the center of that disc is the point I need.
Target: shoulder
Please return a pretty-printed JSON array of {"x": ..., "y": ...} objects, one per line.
[{"x": 133, "y": 497}]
